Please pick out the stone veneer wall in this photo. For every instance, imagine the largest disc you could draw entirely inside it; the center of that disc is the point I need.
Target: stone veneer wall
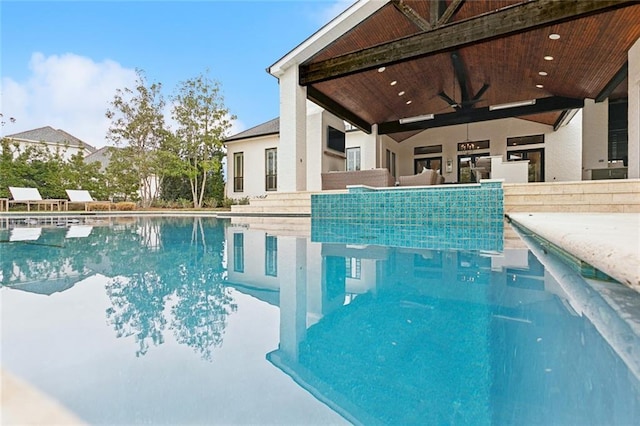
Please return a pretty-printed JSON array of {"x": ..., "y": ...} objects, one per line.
[
  {"x": 597, "y": 196},
  {"x": 463, "y": 217}
]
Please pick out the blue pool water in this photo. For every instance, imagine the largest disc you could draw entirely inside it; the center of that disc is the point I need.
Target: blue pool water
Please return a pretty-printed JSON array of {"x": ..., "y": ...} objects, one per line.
[{"x": 204, "y": 321}]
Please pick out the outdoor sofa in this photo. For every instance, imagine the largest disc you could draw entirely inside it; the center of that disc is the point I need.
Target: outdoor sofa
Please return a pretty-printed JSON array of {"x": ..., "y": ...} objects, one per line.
[{"x": 424, "y": 178}]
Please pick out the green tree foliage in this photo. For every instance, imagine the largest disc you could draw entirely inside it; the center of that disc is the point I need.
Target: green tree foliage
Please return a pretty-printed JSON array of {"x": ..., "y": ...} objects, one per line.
[
  {"x": 137, "y": 123},
  {"x": 202, "y": 121},
  {"x": 122, "y": 180},
  {"x": 37, "y": 167}
]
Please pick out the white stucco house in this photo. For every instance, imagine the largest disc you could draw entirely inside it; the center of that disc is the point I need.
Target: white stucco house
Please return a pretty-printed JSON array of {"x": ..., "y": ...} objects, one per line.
[
  {"x": 53, "y": 140},
  {"x": 388, "y": 86}
]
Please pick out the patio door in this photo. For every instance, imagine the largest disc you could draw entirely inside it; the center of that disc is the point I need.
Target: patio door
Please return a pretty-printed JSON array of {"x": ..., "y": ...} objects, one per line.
[
  {"x": 427, "y": 163},
  {"x": 536, "y": 162},
  {"x": 465, "y": 162}
]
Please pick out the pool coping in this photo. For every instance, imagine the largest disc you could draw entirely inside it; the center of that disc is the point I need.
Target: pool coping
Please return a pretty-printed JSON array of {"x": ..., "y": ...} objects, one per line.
[{"x": 610, "y": 242}]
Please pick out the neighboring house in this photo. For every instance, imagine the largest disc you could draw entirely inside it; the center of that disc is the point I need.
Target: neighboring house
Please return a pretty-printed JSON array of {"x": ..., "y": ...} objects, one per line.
[
  {"x": 53, "y": 140},
  {"x": 257, "y": 148},
  {"x": 102, "y": 156},
  {"x": 427, "y": 99}
]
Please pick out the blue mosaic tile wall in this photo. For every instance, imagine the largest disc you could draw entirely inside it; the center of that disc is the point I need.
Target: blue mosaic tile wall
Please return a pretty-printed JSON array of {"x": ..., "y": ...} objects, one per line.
[{"x": 462, "y": 217}]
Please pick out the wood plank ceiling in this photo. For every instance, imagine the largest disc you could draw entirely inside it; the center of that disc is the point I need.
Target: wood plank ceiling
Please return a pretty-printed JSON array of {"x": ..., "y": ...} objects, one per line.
[{"x": 589, "y": 53}]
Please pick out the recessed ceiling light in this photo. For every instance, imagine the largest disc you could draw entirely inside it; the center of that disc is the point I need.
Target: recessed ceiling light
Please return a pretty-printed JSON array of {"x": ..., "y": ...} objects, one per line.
[
  {"x": 539, "y": 86},
  {"x": 554, "y": 36},
  {"x": 548, "y": 58},
  {"x": 394, "y": 82},
  {"x": 381, "y": 69},
  {"x": 401, "y": 93},
  {"x": 542, "y": 73},
  {"x": 409, "y": 102}
]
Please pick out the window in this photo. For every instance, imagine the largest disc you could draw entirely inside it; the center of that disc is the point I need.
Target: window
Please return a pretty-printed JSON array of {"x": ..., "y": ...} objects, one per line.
[
  {"x": 335, "y": 139},
  {"x": 473, "y": 145},
  {"x": 353, "y": 159},
  {"x": 391, "y": 162},
  {"x": 434, "y": 163},
  {"x": 422, "y": 150},
  {"x": 472, "y": 150},
  {"x": 271, "y": 255},
  {"x": 536, "y": 162},
  {"x": 238, "y": 252},
  {"x": 465, "y": 162},
  {"x": 525, "y": 140},
  {"x": 271, "y": 168},
  {"x": 618, "y": 147},
  {"x": 353, "y": 267},
  {"x": 238, "y": 172}
]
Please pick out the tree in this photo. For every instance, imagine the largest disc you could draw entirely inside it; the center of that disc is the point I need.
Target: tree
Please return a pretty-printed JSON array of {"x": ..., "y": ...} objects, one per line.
[
  {"x": 137, "y": 122},
  {"x": 202, "y": 121},
  {"x": 76, "y": 174}
]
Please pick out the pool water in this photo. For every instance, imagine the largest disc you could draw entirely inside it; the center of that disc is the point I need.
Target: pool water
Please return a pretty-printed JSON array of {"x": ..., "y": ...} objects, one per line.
[{"x": 204, "y": 321}]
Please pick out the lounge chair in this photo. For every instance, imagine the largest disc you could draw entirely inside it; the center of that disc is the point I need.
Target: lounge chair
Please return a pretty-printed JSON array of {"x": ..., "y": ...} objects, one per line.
[
  {"x": 25, "y": 234},
  {"x": 78, "y": 231},
  {"x": 82, "y": 196},
  {"x": 31, "y": 196}
]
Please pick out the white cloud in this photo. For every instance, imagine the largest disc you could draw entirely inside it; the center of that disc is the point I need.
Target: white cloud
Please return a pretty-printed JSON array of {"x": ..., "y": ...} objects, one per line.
[
  {"x": 334, "y": 9},
  {"x": 68, "y": 92}
]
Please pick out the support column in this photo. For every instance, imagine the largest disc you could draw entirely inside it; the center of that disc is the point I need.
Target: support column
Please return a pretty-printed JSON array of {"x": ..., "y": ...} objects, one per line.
[
  {"x": 292, "y": 162},
  {"x": 595, "y": 136},
  {"x": 292, "y": 267},
  {"x": 634, "y": 111}
]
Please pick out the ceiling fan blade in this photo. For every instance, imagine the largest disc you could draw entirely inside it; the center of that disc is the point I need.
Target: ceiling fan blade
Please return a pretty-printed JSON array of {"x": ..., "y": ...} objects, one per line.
[
  {"x": 448, "y": 100},
  {"x": 483, "y": 89}
]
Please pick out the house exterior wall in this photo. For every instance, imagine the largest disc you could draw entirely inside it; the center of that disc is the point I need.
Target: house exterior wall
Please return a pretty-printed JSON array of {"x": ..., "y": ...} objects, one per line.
[
  {"x": 66, "y": 151},
  {"x": 292, "y": 158},
  {"x": 496, "y": 131},
  {"x": 254, "y": 165},
  {"x": 254, "y": 251},
  {"x": 634, "y": 111},
  {"x": 563, "y": 152},
  {"x": 563, "y": 149},
  {"x": 595, "y": 136}
]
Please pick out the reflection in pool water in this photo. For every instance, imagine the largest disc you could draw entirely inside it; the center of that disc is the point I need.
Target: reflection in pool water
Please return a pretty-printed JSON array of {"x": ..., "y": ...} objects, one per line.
[{"x": 389, "y": 335}]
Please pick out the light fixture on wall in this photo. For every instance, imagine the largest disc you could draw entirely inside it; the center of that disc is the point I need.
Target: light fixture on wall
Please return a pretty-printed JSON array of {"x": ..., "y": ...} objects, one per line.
[
  {"x": 416, "y": 118},
  {"x": 512, "y": 105}
]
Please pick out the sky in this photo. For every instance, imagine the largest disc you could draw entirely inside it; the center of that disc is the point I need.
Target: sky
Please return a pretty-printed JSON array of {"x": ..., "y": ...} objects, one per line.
[{"x": 61, "y": 62}]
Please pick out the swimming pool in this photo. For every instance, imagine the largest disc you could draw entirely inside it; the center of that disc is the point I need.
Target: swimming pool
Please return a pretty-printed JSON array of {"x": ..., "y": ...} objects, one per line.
[{"x": 200, "y": 320}]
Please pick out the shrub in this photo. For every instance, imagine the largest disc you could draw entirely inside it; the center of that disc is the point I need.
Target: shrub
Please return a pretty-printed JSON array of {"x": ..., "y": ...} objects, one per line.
[
  {"x": 125, "y": 206},
  {"x": 99, "y": 206}
]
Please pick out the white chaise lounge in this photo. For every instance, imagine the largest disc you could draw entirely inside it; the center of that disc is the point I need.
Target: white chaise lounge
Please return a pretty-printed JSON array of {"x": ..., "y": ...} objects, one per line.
[
  {"x": 82, "y": 196},
  {"x": 31, "y": 196}
]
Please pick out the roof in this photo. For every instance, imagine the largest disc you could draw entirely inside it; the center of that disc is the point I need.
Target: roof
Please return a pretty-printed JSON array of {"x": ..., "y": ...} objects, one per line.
[
  {"x": 51, "y": 135},
  {"x": 102, "y": 155},
  {"x": 271, "y": 127},
  {"x": 433, "y": 64}
]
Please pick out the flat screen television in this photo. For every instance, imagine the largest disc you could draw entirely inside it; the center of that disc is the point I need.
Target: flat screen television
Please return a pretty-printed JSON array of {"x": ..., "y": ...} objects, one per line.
[{"x": 335, "y": 139}]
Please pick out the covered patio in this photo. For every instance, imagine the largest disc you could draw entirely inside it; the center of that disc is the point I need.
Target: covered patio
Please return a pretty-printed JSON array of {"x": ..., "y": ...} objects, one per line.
[{"x": 458, "y": 73}]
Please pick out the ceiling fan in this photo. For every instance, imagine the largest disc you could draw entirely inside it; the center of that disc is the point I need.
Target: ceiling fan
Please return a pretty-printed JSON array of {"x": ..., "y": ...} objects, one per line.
[{"x": 467, "y": 101}]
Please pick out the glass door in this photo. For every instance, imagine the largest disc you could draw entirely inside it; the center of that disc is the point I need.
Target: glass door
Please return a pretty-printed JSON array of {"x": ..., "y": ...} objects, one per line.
[{"x": 536, "y": 162}]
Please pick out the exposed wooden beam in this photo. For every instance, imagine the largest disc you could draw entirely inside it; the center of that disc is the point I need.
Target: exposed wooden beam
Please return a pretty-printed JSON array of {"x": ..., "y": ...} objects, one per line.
[
  {"x": 472, "y": 115},
  {"x": 436, "y": 9},
  {"x": 329, "y": 104},
  {"x": 411, "y": 14},
  {"x": 448, "y": 14},
  {"x": 513, "y": 19},
  {"x": 613, "y": 83}
]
